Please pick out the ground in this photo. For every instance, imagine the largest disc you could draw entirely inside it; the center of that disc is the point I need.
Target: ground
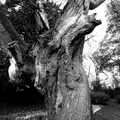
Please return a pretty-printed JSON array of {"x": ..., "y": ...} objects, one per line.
[
  {"x": 111, "y": 111},
  {"x": 107, "y": 112}
]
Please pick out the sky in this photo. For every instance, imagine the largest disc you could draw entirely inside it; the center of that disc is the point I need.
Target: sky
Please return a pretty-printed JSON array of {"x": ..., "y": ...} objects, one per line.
[
  {"x": 92, "y": 44},
  {"x": 99, "y": 32}
]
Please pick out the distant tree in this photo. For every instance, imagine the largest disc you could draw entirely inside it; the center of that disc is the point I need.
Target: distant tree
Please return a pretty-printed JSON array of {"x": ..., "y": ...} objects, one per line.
[
  {"x": 109, "y": 51},
  {"x": 113, "y": 14}
]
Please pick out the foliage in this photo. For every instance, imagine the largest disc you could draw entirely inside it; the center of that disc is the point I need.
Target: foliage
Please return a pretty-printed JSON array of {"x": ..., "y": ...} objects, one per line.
[
  {"x": 96, "y": 85},
  {"x": 113, "y": 16},
  {"x": 23, "y": 20},
  {"x": 108, "y": 54},
  {"x": 23, "y": 17},
  {"x": 102, "y": 56},
  {"x": 117, "y": 98},
  {"x": 99, "y": 98},
  {"x": 117, "y": 91},
  {"x": 3, "y": 58}
]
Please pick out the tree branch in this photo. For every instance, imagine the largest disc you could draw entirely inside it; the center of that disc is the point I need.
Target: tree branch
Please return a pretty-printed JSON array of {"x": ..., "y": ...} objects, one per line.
[
  {"x": 77, "y": 30},
  {"x": 74, "y": 17}
]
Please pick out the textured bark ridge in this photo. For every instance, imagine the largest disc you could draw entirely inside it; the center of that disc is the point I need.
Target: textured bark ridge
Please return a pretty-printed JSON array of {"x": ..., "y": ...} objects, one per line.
[
  {"x": 73, "y": 102},
  {"x": 58, "y": 62}
]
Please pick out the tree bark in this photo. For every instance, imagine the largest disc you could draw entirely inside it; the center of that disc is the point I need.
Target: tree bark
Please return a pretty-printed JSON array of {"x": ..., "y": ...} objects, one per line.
[{"x": 72, "y": 101}]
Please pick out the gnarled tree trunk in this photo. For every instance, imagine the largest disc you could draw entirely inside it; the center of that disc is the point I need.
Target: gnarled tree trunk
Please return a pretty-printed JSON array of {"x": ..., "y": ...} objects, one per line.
[
  {"x": 59, "y": 72},
  {"x": 65, "y": 80},
  {"x": 73, "y": 98}
]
